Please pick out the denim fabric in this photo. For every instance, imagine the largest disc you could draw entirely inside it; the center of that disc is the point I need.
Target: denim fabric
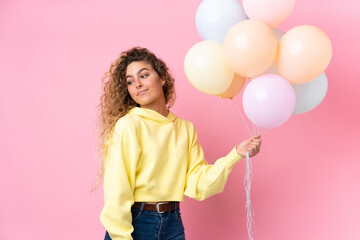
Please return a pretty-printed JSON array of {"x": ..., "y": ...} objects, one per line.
[{"x": 149, "y": 225}]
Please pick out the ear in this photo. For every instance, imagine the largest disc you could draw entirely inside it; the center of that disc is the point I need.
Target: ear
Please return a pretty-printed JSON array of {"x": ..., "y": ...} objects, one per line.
[{"x": 163, "y": 82}]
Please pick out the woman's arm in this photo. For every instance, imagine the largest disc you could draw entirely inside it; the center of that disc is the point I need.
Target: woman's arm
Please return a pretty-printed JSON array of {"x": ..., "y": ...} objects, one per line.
[
  {"x": 204, "y": 180},
  {"x": 121, "y": 158}
]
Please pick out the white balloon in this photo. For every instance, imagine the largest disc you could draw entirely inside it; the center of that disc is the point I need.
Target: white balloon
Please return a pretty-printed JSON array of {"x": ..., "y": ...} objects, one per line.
[
  {"x": 309, "y": 95},
  {"x": 278, "y": 34},
  {"x": 215, "y": 17}
]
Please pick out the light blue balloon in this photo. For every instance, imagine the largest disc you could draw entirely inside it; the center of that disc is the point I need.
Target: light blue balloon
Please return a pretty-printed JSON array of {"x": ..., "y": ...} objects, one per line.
[
  {"x": 309, "y": 95},
  {"x": 215, "y": 17}
]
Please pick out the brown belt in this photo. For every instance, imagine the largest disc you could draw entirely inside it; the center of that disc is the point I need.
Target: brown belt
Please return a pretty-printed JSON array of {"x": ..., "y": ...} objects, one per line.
[{"x": 160, "y": 207}]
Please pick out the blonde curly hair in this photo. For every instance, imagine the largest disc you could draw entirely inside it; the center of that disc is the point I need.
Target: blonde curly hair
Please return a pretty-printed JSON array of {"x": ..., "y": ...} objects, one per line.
[{"x": 115, "y": 101}]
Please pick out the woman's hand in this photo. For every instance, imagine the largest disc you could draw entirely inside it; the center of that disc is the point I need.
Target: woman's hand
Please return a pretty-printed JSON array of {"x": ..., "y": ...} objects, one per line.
[{"x": 251, "y": 145}]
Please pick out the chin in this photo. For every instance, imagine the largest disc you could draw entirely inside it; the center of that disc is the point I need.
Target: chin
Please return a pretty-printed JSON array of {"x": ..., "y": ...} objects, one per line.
[{"x": 144, "y": 102}]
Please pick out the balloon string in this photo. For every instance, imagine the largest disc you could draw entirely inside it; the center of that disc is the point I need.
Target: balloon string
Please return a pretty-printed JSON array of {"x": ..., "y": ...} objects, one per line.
[
  {"x": 248, "y": 177},
  {"x": 253, "y": 128},
  {"x": 238, "y": 108},
  {"x": 248, "y": 206},
  {"x": 265, "y": 132}
]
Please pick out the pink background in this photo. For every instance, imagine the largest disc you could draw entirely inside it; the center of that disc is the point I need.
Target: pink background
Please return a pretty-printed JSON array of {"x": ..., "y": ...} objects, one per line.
[{"x": 52, "y": 56}]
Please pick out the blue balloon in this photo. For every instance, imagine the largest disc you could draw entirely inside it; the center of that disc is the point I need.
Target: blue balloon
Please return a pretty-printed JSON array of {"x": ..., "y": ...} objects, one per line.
[
  {"x": 215, "y": 17},
  {"x": 310, "y": 94}
]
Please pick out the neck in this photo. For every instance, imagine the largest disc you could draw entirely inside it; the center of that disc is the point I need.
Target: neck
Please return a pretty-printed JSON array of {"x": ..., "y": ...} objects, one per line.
[
  {"x": 159, "y": 105},
  {"x": 160, "y": 109}
]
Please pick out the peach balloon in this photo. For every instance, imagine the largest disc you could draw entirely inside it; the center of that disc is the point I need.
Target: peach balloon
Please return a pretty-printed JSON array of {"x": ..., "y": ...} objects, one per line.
[
  {"x": 270, "y": 12},
  {"x": 304, "y": 53},
  {"x": 236, "y": 85},
  {"x": 250, "y": 48}
]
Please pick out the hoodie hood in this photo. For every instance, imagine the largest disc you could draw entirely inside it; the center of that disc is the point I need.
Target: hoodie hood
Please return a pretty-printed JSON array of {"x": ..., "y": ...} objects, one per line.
[{"x": 153, "y": 115}]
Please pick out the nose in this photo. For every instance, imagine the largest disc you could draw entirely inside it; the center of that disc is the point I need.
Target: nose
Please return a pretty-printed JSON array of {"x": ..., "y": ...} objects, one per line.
[{"x": 138, "y": 83}]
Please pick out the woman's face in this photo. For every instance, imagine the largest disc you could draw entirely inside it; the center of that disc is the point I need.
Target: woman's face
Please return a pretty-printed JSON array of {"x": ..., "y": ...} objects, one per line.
[{"x": 144, "y": 84}]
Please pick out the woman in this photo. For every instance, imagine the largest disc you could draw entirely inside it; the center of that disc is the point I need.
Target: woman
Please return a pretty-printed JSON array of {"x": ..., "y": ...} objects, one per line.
[{"x": 151, "y": 157}]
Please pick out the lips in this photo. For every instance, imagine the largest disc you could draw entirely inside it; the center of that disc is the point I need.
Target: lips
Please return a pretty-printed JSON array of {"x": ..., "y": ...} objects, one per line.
[{"x": 141, "y": 92}]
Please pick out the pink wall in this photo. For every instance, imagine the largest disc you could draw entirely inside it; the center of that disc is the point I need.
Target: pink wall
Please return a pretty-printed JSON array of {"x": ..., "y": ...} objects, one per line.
[{"x": 52, "y": 56}]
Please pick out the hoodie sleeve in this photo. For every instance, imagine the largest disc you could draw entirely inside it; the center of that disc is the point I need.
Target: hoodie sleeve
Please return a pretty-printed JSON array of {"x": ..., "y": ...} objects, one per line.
[
  {"x": 202, "y": 179},
  {"x": 121, "y": 157}
]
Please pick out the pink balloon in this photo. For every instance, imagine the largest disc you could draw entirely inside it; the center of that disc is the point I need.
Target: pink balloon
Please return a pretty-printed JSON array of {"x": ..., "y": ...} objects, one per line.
[
  {"x": 270, "y": 12},
  {"x": 269, "y": 101}
]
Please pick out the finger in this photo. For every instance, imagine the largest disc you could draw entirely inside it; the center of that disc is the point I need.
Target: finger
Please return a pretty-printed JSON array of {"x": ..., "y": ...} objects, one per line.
[
  {"x": 259, "y": 146},
  {"x": 255, "y": 137},
  {"x": 255, "y": 148},
  {"x": 249, "y": 148},
  {"x": 251, "y": 152},
  {"x": 253, "y": 145},
  {"x": 258, "y": 143}
]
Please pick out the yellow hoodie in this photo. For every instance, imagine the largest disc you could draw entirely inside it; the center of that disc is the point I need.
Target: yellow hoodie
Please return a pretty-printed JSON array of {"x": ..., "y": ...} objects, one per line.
[{"x": 154, "y": 158}]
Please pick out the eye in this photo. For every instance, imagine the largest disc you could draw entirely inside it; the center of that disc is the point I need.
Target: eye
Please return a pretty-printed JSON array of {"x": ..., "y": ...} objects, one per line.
[
  {"x": 129, "y": 82},
  {"x": 144, "y": 75}
]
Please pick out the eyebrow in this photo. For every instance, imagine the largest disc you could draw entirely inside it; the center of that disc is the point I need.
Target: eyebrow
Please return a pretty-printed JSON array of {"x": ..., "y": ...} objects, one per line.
[{"x": 137, "y": 72}]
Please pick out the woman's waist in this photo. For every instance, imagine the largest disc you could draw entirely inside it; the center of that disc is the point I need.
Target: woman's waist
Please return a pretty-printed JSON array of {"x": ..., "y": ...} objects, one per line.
[
  {"x": 156, "y": 195},
  {"x": 160, "y": 207},
  {"x": 154, "y": 203}
]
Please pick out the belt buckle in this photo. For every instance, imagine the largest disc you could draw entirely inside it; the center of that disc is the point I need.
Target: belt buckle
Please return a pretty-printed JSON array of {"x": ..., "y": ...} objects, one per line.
[{"x": 157, "y": 207}]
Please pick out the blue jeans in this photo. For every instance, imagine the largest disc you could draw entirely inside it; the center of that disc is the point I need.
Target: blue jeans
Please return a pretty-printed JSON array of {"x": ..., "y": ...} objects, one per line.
[{"x": 149, "y": 225}]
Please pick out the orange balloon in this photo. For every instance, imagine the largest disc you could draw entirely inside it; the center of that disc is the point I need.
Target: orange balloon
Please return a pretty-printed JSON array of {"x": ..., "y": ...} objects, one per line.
[
  {"x": 304, "y": 53},
  {"x": 237, "y": 84},
  {"x": 250, "y": 48}
]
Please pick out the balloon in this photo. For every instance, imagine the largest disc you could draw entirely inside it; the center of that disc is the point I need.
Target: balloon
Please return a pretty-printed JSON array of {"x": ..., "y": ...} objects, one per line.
[
  {"x": 304, "y": 53},
  {"x": 270, "y": 12},
  {"x": 278, "y": 34},
  {"x": 215, "y": 17},
  {"x": 250, "y": 48},
  {"x": 309, "y": 95},
  {"x": 237, "y": 84},
  {"x": 272, "y": 70},
  {"x": 268, "y": 101},
  {"x": 206, "y": 68}
]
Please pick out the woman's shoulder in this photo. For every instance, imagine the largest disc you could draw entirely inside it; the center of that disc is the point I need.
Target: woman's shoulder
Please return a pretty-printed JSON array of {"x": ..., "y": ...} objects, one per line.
[
  {"x": 125, "y": 122},
  {"x": 185, "y": 122}
]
